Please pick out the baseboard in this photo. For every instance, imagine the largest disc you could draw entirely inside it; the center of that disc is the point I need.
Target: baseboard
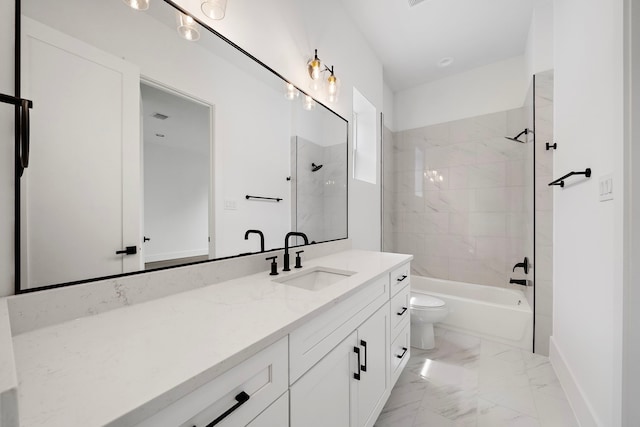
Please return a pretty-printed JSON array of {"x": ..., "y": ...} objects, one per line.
[{"x": 579, "y": 403}]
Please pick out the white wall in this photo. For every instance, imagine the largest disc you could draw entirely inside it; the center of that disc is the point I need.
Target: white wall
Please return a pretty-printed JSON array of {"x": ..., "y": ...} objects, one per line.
[
  {"x": 6, "y": 149},
  {"x": 389, "y": 108},
  {"x": 490, "y": 89},
  {"x": 586, "y": 344},
  {"x": 283, "y": 34},
  {"x": 176, "y": 202},
  {"x": 539, "y": 51}
]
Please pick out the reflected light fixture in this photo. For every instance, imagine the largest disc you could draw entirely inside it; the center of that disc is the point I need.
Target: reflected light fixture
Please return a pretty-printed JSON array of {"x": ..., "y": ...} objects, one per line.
[
  {"x": 308, "y": 103},
  {"x": 291, "y": 92},
  {"x": 137, "y": 4},
  {"x": 214, "y": 9},
  {"x": 187, "y": 27}
]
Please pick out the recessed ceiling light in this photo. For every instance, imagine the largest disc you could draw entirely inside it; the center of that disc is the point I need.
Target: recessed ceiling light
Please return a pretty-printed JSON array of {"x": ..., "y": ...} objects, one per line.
[{"x": 445, "y": 62}]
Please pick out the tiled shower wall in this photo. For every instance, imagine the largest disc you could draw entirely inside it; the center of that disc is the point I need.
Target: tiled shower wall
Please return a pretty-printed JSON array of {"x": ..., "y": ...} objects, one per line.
[
  {"x": 456, "y": 196},
  {"x": 319, "y": 198},
  {"x": 544, "y": 211}
]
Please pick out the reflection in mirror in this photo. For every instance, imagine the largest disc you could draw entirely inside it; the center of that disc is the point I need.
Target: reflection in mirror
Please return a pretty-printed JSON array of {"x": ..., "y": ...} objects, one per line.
[{"x": 146, "y": 142}]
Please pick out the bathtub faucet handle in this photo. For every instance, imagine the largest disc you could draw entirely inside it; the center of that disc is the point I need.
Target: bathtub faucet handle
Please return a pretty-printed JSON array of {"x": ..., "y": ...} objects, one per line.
[{"x": 524, "y": 264}]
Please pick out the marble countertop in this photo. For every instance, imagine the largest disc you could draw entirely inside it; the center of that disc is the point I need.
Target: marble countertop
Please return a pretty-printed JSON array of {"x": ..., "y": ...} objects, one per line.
[{"x": 122, "y": 366}]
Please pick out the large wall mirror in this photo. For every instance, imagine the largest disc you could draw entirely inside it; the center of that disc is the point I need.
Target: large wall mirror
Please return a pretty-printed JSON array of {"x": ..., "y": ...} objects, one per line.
[{"x": 156, "y": 143}]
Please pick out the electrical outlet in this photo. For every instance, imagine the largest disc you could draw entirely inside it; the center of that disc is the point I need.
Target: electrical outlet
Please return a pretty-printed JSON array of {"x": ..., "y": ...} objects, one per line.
[{"x": 605, "y": 188}]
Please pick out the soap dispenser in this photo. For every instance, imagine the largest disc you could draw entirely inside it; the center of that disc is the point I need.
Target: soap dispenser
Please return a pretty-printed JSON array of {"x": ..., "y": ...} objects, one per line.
[{"x": 298, "y": 259}]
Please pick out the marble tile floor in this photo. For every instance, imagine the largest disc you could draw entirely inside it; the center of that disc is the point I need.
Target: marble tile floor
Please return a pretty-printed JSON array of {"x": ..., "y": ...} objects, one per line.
[{"x": 471, "y": 382}]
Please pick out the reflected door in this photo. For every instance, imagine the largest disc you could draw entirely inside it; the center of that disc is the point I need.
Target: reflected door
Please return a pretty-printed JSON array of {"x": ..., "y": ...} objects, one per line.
[{"x": 85, "y": 158}]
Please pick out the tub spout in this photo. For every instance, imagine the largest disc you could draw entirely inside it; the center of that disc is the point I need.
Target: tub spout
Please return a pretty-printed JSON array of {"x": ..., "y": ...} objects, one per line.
[{"x": 522, "y": 282}]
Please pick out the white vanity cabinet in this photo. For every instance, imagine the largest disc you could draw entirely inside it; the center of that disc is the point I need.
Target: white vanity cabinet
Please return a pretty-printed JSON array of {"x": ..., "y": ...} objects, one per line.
[
  {"x": 349, "y": 386},
  {"x": 241, "y": 396}
]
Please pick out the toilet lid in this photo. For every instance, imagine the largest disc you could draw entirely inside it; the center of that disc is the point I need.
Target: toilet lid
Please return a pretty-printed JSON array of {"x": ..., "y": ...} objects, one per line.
[{"x": 423, "y": 300}]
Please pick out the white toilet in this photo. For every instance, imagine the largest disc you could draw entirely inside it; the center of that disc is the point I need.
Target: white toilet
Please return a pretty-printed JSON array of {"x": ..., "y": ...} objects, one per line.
[{"x": 425, "y": 311}]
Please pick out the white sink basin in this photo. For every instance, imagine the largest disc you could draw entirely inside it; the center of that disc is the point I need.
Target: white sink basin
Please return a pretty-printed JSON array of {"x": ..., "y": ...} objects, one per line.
[{"x": 315, "y": 278}]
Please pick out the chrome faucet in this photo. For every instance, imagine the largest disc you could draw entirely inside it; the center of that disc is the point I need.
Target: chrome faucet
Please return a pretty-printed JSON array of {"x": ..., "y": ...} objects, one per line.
[
  {"x": 286, "y": 247},
  {"x": 258, "y": 232}
]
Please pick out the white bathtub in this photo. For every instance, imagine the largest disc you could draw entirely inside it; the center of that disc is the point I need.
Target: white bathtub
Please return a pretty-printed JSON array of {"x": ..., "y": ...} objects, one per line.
[{"x": 498, "y": 314}]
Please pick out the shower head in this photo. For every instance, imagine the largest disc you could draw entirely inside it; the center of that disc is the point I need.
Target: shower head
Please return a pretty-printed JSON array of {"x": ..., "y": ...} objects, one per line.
[
  {"x": 524, "y": 132},
  {"x": 315, "y": 168}
]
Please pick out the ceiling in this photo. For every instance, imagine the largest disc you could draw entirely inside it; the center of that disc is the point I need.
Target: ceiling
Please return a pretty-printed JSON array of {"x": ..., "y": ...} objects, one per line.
[{"x": 410, "y": 41}]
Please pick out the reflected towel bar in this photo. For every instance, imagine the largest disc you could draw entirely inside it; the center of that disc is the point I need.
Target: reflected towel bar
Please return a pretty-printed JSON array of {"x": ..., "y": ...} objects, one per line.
[
  {"x": 560, "y": 181},
  {"x": 248, "y": 197}
]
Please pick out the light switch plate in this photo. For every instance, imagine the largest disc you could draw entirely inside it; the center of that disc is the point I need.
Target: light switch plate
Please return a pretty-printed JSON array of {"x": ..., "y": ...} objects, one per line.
[
  {"x": 230, "y": 205},
  {"x": 605, "y": 187}
]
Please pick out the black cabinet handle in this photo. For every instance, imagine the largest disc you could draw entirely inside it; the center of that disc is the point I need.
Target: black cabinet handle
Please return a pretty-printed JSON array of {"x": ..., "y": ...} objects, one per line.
[
  {"x": 24, "y": 134},
  {"x": 357, "y": 375},
  {"x": 401, "y": 278},
  {"x": 241, "y": 398},
  {"x": 129, "y": 250},
  {"x": 404, "y": 351},
  {"x": 403, "y": 311},
  {"x": 363, "y": 343}
]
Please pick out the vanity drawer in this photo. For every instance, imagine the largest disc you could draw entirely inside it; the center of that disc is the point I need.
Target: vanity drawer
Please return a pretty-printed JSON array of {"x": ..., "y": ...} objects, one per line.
[
  {"x": 313, "y": 340},
  {"x": 263, "y": 377},
  {"x": 400, "y": 310},
  {"x": 399, "y": 278},
  {"x": 400, "y": 352}
]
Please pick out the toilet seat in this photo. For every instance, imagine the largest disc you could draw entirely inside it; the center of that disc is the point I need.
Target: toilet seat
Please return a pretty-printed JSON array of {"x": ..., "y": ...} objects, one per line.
[{"x": 425, "y": 301}]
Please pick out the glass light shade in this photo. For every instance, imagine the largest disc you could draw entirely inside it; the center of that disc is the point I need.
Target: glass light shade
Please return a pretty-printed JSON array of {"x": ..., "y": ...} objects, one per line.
[
  {"x": 308, "y": 103},
  {"x": 291, "y": 92},
  {"x": 187, "y": 27},
  {"x": 333, "y": 88},
  {"x": 137, "y": 4},
  {"x": 214, "y": 9},
  {"x": 314, "y": 66}
]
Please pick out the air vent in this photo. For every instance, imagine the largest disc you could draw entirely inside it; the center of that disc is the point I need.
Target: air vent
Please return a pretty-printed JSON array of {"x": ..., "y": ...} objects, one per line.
[
  {"x": 414, "y": 2},
  {"x": 159, "y": 116}
]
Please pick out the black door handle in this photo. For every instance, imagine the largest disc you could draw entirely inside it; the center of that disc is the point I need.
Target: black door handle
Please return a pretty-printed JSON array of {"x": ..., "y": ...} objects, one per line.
[
  {"x": 403, "y": 311},
  {"x": 404, "y": 351},
  {"x": 241, "y": 398},
  {"x": 129, "y": 250},
  {"x": 401, "y": 278},
  {"x": 24, "y": 134},
  {"x": 357, "y": 375},
  {"x": 363, "y": 343}
]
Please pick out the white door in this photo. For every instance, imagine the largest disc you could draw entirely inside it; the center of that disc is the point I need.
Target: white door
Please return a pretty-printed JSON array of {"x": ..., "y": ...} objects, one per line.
[
  {"x": 81, "y": 192},
  {"x": 325, "y": 395},
  {"x": 373, "y": 339}
]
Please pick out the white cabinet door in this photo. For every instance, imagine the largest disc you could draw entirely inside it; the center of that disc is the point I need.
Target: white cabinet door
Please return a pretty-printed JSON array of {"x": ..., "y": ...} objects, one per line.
[
  {"x": 324, "y": 395},
  {"x": 85, "y": 159},
  {"x": 373, "y": 339}
]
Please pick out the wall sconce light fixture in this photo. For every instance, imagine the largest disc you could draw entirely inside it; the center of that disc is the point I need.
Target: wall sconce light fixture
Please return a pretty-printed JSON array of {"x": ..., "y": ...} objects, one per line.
[
  {"x": 315, "y": 68},
  {"x": 137, "y": 4},
  {"x": 214, "y": 9},
  {"x": 187, "y": 27}
]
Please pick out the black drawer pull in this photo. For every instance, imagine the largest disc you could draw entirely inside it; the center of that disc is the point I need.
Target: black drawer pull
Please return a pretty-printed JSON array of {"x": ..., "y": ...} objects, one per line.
[
  {"x": 241, "y": 398},
  {"x": 363, "y": 343},
  {"x": 403, "y": 311},
  {"x": 404, "y": 351},
  {"x": 129, "y": 250},
  {"x": 357, "y": 375},
  {"x": 401, "y": 278}
]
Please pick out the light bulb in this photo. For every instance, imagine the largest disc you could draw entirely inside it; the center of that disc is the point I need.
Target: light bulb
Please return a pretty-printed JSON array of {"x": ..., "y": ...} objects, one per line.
[
  {"x": 214, "y": 9},
  {"x": 314, "y": 68},
  {"x": 137, "y": 4}
]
